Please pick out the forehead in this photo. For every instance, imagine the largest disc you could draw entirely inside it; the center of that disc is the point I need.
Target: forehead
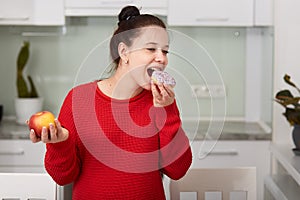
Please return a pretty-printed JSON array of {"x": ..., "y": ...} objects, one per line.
[{"x": 151, "y": 35}]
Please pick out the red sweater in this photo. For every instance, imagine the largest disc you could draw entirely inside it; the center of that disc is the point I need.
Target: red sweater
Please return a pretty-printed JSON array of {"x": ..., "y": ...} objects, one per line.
[{"x": 117, "y": 149}]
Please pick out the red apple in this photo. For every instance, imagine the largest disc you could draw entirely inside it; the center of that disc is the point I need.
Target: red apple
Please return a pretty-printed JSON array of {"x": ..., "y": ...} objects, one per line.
[{"x": 39, "y": 120}]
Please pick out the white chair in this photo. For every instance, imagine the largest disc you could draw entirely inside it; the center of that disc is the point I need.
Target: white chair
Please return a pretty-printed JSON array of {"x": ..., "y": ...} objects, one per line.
[
  {"x": 27, "y": 186},
  {"x": 216, "y": 184}
]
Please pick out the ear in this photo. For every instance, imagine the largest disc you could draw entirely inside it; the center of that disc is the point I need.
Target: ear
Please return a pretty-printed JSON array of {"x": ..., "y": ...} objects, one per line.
[{"x": 123, "y": 51}]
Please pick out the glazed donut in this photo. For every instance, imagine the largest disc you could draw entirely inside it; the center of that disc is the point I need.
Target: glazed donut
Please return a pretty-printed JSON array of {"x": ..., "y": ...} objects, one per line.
[{"x": 163, "y": 77}]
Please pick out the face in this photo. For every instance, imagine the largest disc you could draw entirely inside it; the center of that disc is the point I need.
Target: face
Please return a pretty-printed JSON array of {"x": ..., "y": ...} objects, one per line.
[{"x": 148, "y": 51}]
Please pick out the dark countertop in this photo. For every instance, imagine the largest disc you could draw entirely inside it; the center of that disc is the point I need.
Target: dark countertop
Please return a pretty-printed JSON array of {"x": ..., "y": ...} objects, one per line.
[{"x": 195, "y": 130}]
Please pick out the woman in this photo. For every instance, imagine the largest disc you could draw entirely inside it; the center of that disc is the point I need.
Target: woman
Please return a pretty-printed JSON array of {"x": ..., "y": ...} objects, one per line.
[{"x": 115, "y": 137}]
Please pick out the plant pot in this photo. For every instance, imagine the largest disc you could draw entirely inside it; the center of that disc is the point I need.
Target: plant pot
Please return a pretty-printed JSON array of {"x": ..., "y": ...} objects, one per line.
[
  {"x": 25, "y": 107},
  {"x": 1, "y": 112},
  {"x": 296, "y": 137}
]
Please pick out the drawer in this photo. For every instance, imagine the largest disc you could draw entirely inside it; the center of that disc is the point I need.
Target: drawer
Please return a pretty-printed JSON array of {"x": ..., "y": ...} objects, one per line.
[
  {"x": 21, "y": 153},
  {"x": 23, "y": 169},
  {"x": 230, "y": 153},
  {"x": 237, "y": 153}
]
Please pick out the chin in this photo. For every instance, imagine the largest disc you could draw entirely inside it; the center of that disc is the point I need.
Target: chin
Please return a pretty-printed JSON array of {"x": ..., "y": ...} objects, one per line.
[{"x": 147, "y": 86}]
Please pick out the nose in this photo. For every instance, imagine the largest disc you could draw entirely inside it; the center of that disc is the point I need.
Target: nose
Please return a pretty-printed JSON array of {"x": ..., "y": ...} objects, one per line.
[{"x": 161, "y": 56}]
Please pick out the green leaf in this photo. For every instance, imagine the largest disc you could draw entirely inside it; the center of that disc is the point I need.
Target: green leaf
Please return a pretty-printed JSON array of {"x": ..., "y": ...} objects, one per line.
[
  {"x": 33, "y": 92},
  {"x": 22, "y": 87},
  {"x": 292, "y": 115},
  {"x": 287, "y": 79},
  {"x": 23, "y": 56},
  {"x": 284, "y": 94}
]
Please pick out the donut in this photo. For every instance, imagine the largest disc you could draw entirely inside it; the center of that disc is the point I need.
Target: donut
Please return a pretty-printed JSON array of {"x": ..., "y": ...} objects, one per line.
[{"x": 163, "y": 77}]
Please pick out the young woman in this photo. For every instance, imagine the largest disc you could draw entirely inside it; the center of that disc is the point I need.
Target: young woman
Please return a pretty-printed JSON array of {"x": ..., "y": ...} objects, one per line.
[{"x": 115, "y": 137}]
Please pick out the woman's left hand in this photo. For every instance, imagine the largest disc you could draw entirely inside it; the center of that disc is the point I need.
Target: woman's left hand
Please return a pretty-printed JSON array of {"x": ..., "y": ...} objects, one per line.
[{"x": 163, "y": 94}]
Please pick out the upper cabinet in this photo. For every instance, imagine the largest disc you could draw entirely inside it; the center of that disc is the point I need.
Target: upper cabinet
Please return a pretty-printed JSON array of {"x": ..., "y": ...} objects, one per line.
[
  {"x": 263, "y": 15},
  {"x": 158, "y": 7},
  {"x": 219, "y": 12},
  {"x": 179, "y": 13},
  {"x": 32, "y": 12},
  {"x": 112, "y": 7}
]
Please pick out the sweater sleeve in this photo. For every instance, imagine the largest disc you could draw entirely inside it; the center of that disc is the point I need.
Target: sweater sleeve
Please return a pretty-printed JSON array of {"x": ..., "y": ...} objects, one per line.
[
  {"x": 61, "y": 160},
  {"x": 175, "y": 151}
]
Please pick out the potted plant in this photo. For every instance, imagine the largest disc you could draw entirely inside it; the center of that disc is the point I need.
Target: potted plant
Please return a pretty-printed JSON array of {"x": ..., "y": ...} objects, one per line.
[
  {"x": 28, "y": 101},
  {"x": 292, "y": 109}
]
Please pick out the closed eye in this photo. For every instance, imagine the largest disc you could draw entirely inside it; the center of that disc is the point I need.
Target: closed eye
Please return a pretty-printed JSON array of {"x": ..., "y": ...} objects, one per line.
[
  {"x": 165, "y": 52},
  {"x": 154, "y": 49},
  {"x": 151, "y": 49}
]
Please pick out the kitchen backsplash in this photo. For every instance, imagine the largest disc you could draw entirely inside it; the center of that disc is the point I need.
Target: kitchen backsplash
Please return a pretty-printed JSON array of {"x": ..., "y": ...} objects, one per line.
[{"x": 198, "y": 55}]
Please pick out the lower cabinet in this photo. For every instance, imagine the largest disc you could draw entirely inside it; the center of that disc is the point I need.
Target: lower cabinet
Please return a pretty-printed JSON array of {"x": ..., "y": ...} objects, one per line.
[
  {"x": 233, "y": 153},
  {"x": 21, "y": 156}
]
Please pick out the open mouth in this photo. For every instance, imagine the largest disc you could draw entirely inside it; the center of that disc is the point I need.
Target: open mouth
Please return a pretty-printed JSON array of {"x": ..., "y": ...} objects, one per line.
[{"x": 151, "y": 70}]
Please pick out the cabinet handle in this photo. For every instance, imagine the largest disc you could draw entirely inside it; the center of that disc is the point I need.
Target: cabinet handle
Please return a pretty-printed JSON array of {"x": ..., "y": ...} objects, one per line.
[
  {"x": 15, "y": 18},
  {"x": 36, "y": 199},
  {"x": 16, "y": 152},
  {"x": 219, "y": 152},
  {"x": 11, "y": 199},
  {"x": 116, "y": 2},
  {"x": 212, "y": 19}
]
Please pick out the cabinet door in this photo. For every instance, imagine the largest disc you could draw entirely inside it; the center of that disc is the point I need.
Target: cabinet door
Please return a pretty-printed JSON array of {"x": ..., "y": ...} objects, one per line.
[
  {"x": 16, "y": 12},
  {"x": 21, "y": 153},
  {"x": 226, "y": 154},
  {"x": 159, "y": 7},
  {"x": 263, "y": 13},
  {"x": 31, "y": 12},
  {"x": 95, "y": 7},
  {"x": 112, "y": 7},
  {"x": 49, "y": 12},
  {"x": 211, "y": 12}
]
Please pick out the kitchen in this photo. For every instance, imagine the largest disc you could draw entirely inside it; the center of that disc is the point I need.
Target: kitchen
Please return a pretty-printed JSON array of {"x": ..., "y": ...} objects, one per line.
[{"x": 237, "y": 51}]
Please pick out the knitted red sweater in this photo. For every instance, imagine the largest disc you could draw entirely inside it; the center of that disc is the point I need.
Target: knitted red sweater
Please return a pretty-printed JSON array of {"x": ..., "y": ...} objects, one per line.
[{"x": 117, "y": 149}]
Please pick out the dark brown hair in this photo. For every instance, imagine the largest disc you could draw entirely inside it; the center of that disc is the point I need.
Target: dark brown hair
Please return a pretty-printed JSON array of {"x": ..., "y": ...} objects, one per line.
[{"x": 130, "y": 22}]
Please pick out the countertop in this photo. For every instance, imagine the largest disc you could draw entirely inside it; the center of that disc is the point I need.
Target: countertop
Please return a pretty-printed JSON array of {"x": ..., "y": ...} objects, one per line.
[
  {"x": 195, "y": 130},
  {"x": 9, "y": 129},
  {"x": 228, "y": 130}
]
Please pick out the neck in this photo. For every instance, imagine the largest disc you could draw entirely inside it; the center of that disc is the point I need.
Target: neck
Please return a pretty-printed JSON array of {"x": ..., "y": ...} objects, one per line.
[{"x": 120, "y": 86}]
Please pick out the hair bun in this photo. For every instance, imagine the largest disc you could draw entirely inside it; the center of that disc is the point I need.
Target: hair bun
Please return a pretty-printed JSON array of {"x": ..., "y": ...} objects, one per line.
[{"x": 128, "y": 12}]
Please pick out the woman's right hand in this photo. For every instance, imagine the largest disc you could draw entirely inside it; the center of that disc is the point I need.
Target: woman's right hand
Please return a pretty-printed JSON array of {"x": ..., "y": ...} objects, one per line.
[{"x": 56, "y": 134}]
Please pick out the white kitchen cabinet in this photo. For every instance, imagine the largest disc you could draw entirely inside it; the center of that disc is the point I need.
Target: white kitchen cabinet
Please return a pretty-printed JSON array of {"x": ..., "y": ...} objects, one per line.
[
  {"x": 223, "y": 154},
  {"x": 284, "y": 181},
  {"x": 211, "y": 12},
  {"x": 112, "y": 7},
  {"x": 32, "y": 12},
  {"x": 159, "y": 7},
  {"x": 263, "y": 12},
  {"x": 21, "y": 156}
]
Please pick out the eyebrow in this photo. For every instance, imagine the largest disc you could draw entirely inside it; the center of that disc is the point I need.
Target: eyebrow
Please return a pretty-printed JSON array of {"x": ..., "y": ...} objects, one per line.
[{"x": 154, "y": 43}]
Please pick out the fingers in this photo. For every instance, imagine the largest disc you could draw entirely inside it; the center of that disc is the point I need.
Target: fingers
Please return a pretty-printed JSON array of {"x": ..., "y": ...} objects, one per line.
[
  {"x": 33, "y": 136},
  {"x": 54, "y": 134},
  {"x": 45, "y": 137},
  {"x": 155, "y": 92},
  {"x": 57, "y": 123},
  {"x": 169, "y": 89},
  {"x": 163, "y": 94}
]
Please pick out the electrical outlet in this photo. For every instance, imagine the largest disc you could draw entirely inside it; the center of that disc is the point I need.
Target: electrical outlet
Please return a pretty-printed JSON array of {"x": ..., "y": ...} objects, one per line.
[{"x": 208, "y": 91}]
